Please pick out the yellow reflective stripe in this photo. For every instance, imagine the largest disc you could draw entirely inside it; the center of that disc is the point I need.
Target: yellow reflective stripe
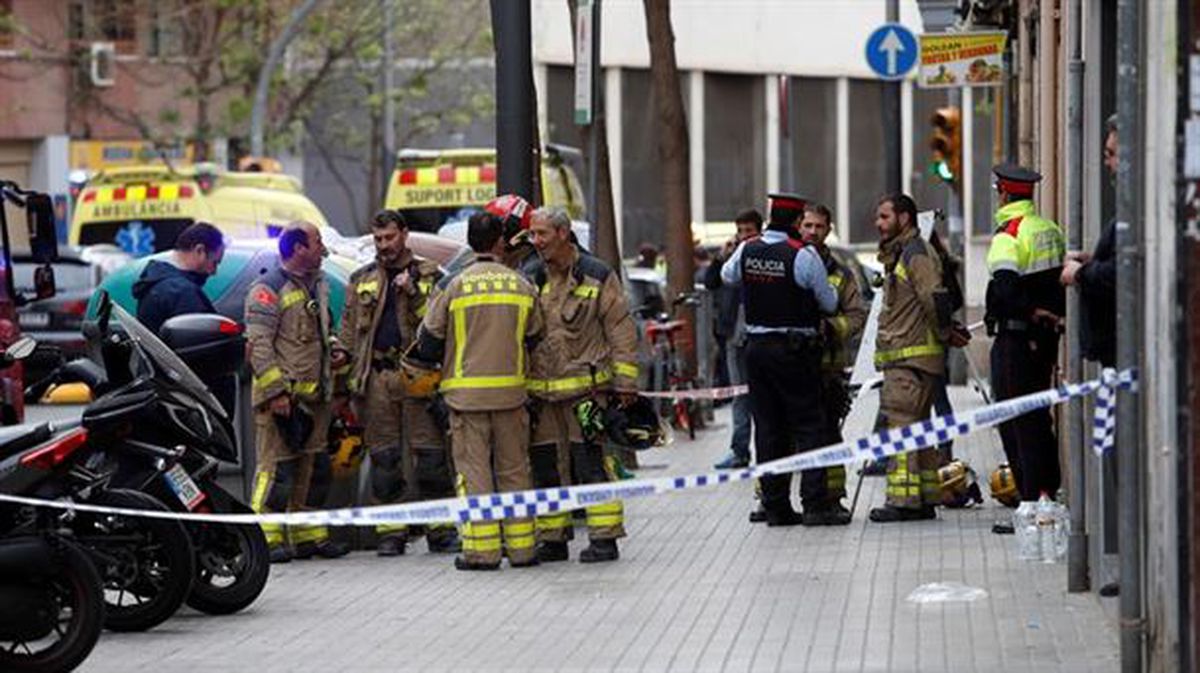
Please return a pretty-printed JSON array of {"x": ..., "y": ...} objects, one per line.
[
  {"x": 554, "y": 521},
  {"x": 291, "y": 297},
  {"x": 587, "y": 291},
  {"x": 930, "y": 347},
  {"x": 835, "y": 279},
  {"x": 519, "y": 342},
  {"x": 424, "y": 286},
  {"x": 262, "y": 479},
  {"x": 570, "y": 383},
  {"x": 515, "y": 528},
  {"x": 367, "y": 287},
  {"x": 901, "y": 271},
  {"x": 626, "y": 369},
  {"x": 302, "y": 534},
  {"x": 388, "y": 528},
  {"x": 468, "y": 382},
  {"x": 305, "y": 387},
  {"x": 460, "y": 339},
  {"x": 268, "y": 377},
  {"x": 491, "y": 298},
  {"x": 420, "y": 312},
  {"x": 841, "y": 325}
]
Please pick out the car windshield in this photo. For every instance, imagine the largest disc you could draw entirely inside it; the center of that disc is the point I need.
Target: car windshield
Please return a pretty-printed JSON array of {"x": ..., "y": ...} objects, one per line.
[{"x": 163, "y": 359}]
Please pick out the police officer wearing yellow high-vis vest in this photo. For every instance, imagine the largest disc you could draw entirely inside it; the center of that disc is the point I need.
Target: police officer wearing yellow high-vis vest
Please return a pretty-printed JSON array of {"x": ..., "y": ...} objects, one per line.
[
  {"x": 292, "y": 356},
  {"x": 385, "y": 301},
  {"x": 479, "y": 326},
  {"x": 1025, "y": 303},
  {"x": 590, "y": 349}
]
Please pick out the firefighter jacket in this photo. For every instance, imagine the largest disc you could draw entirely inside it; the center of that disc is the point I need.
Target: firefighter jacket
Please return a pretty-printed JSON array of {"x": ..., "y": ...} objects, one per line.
[
  {"x": 479, "y": 325},
  {"x": 847, "y": 324},
  {"x": 911, "y": 331},
  {"x": 591, "y": 338},
  {"x": 1024, "y": 261},
  {"x": 289, "y": 335},
  {"x": 366, "y": 299}
]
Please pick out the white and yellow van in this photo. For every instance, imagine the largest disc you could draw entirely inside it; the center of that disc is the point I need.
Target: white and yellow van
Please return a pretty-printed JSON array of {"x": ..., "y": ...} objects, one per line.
[
  {"x": 142, "y": 209},
  {"x": 433, "y": 187}
]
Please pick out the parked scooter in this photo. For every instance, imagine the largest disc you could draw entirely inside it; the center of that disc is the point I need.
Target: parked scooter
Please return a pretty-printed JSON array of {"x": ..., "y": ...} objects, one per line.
[{"x": 158, "y": 429}]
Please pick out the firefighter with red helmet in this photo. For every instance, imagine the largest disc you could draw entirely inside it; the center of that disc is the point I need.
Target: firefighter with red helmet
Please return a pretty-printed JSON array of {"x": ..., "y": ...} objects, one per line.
[{"x": 515, "y": 214}]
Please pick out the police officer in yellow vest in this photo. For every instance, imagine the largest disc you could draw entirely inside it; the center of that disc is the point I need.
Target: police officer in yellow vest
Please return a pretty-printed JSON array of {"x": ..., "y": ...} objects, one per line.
[
  {"x": 292, "y": 357},
  {"x": 1025, "y": 303},
  {"x": 385, "y": 301}
]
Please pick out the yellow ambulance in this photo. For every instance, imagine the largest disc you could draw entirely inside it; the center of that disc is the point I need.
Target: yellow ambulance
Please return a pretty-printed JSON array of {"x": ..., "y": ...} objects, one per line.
[
  {"x": 142, "y": 209},
  {"x": 433, "y": 187}
]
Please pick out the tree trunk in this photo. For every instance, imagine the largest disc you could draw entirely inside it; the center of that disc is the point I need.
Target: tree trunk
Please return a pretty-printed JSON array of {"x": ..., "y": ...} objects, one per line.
[
  {"x": 604, "y": 220},
  {"x": 671, "y": 125}
]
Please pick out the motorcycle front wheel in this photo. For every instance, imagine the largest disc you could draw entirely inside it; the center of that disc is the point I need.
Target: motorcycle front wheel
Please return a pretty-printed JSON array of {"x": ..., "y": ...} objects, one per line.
[
  {"x": 146, "y": 565},
  {"x": 232, "y": 564}
]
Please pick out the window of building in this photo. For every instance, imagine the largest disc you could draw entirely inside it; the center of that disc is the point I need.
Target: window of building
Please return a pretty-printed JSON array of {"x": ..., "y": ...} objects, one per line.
[
  {"x": 808, "y": 141},
  {"x": 560, "y": 112},
  {"x": 104, "y": 21},
  {"x": 734, "y": 145},
  {"x": 642, "y": 210},
  {"x": 868, "y": 170},
  {"x": 165, "y": 34}
]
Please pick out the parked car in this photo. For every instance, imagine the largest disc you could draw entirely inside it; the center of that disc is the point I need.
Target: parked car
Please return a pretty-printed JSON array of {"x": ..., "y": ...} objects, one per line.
[{"x": 54, "y": 322}]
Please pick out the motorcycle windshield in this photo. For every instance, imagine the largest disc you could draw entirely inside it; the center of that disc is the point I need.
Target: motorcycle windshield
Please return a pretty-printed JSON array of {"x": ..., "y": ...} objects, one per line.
[{"x": 164, "y": 361}]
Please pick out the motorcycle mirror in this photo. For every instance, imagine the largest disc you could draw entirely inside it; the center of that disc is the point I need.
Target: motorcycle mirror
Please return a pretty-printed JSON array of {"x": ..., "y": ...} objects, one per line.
[{"x": 21, "y": 348}]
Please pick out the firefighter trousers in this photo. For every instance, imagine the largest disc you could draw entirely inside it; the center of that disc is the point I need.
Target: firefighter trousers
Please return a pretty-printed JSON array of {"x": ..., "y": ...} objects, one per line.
[
  {"x": 825, "y": 487},
  {"x": 1022, "y": 365},
  {"x": 906, "y": 398},
  {"x": 491, "y": 456},
  {"x": 286, "y": 481},
  {"x": 788, "y": 414},
  {"x": 409, "y": 457},
  {"x": 559, "y": 456}
]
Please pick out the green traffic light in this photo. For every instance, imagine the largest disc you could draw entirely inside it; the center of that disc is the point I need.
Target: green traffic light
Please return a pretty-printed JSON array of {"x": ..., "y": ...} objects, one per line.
[{"x": 942, "y": 170}]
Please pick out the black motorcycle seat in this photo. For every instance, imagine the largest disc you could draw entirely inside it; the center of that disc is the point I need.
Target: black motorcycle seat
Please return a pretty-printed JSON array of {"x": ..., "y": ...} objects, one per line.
[{"x": 17, "y": 438}]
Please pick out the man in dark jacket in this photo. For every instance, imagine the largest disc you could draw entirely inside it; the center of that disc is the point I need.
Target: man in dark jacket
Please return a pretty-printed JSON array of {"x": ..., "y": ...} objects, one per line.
[
  {"x": 175, "y": 286},
  {"x": 1095, "y": 274}
]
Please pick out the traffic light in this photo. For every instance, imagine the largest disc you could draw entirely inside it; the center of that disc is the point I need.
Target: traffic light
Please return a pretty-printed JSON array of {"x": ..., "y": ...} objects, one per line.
[{"x": 946, "y": 146}]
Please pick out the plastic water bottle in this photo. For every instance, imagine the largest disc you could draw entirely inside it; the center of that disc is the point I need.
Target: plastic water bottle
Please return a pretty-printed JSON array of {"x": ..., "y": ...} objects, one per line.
[
  {"x": 1046, "y": 518},
  {"x": 1026, "y": 530},
  {"x": 1062, "y": 532}
]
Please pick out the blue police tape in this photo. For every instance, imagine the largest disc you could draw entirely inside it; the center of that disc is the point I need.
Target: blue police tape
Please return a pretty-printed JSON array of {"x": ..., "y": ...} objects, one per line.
[{"x": 491, "y": 507}]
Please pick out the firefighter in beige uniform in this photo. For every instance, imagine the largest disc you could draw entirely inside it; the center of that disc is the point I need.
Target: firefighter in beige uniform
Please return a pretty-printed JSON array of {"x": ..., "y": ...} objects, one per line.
[
  {"x": 590, "y": 347},
  {"x": 292, "y": 353},
  {"x": 385, "y": 301},
  {"x": 477, "y": 327}
]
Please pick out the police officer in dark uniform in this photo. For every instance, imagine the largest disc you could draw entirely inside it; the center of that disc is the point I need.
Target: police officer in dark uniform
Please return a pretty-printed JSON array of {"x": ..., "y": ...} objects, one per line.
[
  {"x": 1025, "y": 303},
  {"x": 786, "y": 293}
]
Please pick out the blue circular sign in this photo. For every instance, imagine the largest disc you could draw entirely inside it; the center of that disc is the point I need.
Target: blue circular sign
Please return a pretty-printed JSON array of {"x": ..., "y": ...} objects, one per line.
[{"x": 892, "y": 51}]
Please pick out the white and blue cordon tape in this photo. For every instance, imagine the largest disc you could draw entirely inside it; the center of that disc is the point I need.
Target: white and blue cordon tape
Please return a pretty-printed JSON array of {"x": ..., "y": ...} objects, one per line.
[{"x": 491, "y": 507}]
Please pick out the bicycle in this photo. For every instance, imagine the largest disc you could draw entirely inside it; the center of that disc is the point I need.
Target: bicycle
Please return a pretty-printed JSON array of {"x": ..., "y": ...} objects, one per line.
[{"x": 670, "y": 372}]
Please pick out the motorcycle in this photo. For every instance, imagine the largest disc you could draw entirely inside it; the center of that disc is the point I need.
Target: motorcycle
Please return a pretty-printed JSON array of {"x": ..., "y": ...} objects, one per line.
[
  {"x": 51, "y": 604},
  {"x": 147, "y": 400}
]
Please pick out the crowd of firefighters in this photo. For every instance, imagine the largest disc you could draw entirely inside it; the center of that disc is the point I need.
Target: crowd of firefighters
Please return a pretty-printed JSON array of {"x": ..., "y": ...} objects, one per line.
[{"x": 513, "y": 370}]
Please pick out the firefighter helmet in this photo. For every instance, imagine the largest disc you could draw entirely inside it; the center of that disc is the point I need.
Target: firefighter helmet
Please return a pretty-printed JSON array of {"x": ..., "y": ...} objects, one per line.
[
  {"x": 635, "y": 426},
  {"x": 1004, "y": 486},
  {"x": 514, "y": 211},
  {"x": 960, "y": 487},
  {"x": 418, "y": 378}
]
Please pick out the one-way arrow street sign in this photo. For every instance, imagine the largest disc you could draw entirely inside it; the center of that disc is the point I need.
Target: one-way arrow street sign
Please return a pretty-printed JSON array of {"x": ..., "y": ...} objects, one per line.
[{"x": 891, "y": 51}]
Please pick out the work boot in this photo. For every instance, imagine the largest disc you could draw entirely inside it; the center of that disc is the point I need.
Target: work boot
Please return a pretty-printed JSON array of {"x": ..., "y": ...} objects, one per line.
[
  {"x": 443, "y": 542},
  {"x": 832, "y": 514},
  {"x": 463, "y": 564},
  {"x": 324, "y": 549},
  {"x": 599, "y": 551},
  {"x": 759, "y": 515},
  {"x": 890, "y": 514},
  {"x": 281, "y": 554},
  {"x": 784, "y": 517},
  {"x": 391, "y": 545},
  {"x": 1003, "y": 528},
  {"x": 732, "y": 462},
  {"x": 549, "y": 552}
]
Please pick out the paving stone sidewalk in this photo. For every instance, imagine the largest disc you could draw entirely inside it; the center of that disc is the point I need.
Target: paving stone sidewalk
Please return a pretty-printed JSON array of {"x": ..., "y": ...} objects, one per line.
[{"x": 697, "y": 588}]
